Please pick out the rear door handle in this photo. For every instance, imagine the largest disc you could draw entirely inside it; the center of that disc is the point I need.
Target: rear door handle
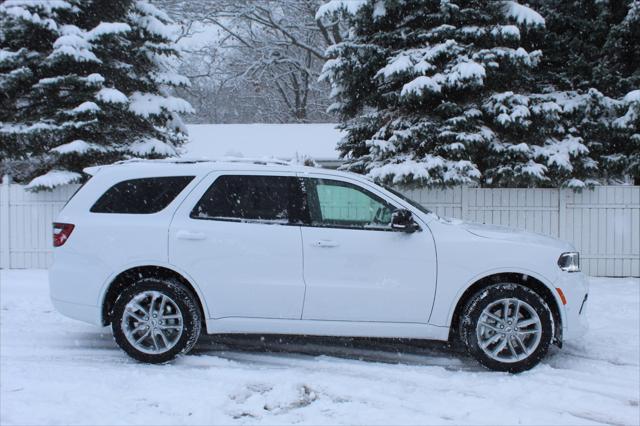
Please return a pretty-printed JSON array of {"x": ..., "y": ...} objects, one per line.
[
  {"x": 188, "y": 235},
  {"x": 326, "y": 243}
]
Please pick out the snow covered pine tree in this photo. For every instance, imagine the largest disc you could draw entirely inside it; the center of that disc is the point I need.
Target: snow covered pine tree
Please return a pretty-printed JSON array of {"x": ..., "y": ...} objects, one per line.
[
  {"x": 84, "y": 82},
  {"x": 437, "y": 93},
  {"x": 623, "y": 61},
  {"x": 591, "y": 58}
]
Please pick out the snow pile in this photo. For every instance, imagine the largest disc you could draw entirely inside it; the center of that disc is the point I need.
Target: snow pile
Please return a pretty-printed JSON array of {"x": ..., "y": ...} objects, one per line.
[
  {"x": 559, "y": 152},
  {"x": 73, "y": 43},
  {"x": 286, "y": 380},
  {"x": 146, "y": 104},
  {"x": 54, "y": 178},
  {"x": 111, "y": 96},
  {"x": 510, "y": 109},
  {"x": 419, "y": 85},
  {"x": 467, "y": 73},
  {"x": 171, "y": 78},
  {"x": 350, "y": 6},
  {"x": 47, "y": 6},
  {"x": 155, "y": 21},
  {"x": 428, "y": 169},
  {"x": 76, "y": 147},
  {"x": 399, "y": 64},
  {"x": 534, "y": 169},
  {"x": 95, "y": 78},
  {"x": 633, "y": 96},
  {"x": 151, "y": 146},
  {"x": 379, "y": 9},
  {"x": 107, "y": 28},
  {"x": 24, "y": 129},
  {"x": 632, "y": 115},
  {"x": 86, "y": 106},
  {"x": 18, "y": 9},
  {"x": 506, "y": 31},
  {"x": 522, "y": 14},
  {"x": 470, "y": 72}
]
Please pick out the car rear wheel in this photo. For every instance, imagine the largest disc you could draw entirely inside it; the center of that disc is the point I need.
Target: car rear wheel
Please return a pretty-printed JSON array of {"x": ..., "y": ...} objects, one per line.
[
  {"x": 507, "y": 327},
  {"x": 155, "y": 320}
]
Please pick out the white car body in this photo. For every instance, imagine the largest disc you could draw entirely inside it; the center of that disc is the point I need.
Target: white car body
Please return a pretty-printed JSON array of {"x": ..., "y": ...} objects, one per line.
[{"x": 265, "y": 278}]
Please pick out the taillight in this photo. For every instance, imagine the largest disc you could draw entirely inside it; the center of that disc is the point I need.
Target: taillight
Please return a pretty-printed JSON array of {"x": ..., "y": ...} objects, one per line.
[{"x": 61, "y": 233}]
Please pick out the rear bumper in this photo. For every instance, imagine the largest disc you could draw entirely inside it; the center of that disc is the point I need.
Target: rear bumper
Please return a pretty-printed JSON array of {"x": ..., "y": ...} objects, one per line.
[
  {"x": 86, "y": 313},
  {"x": 575, "y": 288},
  {"x": 74, "y": 289}
]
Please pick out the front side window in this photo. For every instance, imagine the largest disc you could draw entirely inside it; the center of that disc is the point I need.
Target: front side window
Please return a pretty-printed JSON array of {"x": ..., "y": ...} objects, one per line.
[
  {"x": 411, "y": 201},
  {"x": 141, "y": 196},
  {"x": 340, "y": 204},
  {"x": 272, "y": 199}
]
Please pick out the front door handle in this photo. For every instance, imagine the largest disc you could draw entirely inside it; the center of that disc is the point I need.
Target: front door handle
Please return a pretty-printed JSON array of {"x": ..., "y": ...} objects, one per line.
[
  {"x": 326, "y": 243},
  {"x": 188, "y": 235}
]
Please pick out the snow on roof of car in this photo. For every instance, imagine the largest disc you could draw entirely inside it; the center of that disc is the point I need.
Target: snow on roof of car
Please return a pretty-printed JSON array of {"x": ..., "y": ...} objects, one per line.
[{"x": 283, "y": 141}]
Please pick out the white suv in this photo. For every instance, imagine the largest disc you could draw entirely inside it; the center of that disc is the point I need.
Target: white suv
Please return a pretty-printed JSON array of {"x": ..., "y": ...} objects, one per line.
[{"x": 163, "y": 249}]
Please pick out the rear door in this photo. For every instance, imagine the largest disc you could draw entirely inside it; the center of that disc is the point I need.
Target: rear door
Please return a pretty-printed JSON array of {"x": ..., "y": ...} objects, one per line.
[
  {"x": 356, "y": 267},
  {"x": 238, "y": 236}
]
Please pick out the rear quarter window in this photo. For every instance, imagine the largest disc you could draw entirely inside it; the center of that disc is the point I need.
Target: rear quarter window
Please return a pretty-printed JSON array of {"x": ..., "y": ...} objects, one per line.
[{"x": 141, "y": 196}]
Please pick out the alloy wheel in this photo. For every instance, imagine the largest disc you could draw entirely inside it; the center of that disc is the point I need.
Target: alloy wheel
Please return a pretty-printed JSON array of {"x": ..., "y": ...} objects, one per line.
[
  {"x": 152, "y": 322},
  {"x": 509, "y": 330}
]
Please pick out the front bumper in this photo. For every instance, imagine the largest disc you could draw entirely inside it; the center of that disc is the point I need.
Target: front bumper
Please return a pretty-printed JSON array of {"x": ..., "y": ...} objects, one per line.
[{"x": 575, "y": 287}]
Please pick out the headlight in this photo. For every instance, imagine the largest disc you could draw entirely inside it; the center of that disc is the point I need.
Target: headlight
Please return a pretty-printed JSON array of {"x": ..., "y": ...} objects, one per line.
[{"x": 569, "y": 262}]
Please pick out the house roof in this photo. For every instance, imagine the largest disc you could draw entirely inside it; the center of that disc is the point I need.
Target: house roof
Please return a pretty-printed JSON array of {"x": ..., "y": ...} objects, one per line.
[{"x": 283, "y": 141}]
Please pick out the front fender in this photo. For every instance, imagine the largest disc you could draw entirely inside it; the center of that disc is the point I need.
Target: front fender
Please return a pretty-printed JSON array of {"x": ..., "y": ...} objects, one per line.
[{"x": 447, "y": 318}]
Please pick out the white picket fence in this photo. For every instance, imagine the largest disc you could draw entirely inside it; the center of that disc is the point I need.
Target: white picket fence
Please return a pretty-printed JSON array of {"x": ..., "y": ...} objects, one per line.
[{"x": 604, "y": 224}]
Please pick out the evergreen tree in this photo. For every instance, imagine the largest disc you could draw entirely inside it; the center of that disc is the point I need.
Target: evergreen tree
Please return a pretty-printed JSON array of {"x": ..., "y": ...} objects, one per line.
[
  {"x": 621, "y": 63},
  {"x": 623, "y": 154},
  {"x": 438, "y": 93},
  {"x": 590, "y": 44},
  {"x": 622, "y": 56},
  {"x": 85, "y": 82},
  {"x": 537, "y": 132},
  {"x": 591, "y": 53}
]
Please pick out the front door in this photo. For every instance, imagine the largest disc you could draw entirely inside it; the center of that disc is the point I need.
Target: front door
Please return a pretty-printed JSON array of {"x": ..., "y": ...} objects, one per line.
[
  {"x": 239, "y": 239},
  {"x": 356, "y": 267}
]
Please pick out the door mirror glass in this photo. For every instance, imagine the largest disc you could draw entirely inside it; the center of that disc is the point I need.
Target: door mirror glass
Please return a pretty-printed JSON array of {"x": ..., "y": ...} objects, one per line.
[{"x": 402, "y": 220}]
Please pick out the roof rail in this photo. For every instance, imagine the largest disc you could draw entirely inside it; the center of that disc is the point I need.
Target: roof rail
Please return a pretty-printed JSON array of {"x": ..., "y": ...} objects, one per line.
[{"x": 186, "y": 160}]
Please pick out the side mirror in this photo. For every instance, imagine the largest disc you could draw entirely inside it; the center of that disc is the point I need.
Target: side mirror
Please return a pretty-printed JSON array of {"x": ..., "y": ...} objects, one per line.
[{"x": 402, "y": 220}]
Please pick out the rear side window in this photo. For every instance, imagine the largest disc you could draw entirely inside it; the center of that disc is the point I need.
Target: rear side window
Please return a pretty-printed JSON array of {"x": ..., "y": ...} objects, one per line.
[
  {"x": 141, "y": 196},
  {"x": 274, "y": 199}
]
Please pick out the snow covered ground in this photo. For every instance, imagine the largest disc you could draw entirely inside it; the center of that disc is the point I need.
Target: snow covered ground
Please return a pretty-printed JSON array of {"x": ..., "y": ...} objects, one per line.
[{"x": 54, "y": 370}]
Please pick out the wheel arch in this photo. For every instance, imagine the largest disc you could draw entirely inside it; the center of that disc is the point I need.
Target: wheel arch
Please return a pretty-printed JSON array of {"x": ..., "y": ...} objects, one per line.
[
  {"x": 534, "y": 283},
  {"x": 135, "y": 273}
]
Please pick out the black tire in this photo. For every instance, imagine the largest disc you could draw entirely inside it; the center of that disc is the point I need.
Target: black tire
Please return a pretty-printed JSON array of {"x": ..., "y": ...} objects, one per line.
[
  {"x": 476, "y": 305},
  {"x": 189, "y": 309}
]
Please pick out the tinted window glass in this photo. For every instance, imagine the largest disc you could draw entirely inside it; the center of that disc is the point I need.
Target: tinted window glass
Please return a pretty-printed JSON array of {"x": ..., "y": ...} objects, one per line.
[
  {"x": 141, "y": 196},
  {"x": 341, "y": 204},
  {"x": 257, "y": 198}
]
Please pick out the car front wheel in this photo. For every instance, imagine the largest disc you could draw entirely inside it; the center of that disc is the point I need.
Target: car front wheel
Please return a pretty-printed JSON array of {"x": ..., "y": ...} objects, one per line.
[
  {"x": 154, "y": 320},
  {"x": 507, "y": 327}
]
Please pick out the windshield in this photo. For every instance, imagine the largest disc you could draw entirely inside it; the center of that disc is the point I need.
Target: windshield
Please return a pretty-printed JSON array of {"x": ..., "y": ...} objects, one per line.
[{"x": 415, "y": 204}]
